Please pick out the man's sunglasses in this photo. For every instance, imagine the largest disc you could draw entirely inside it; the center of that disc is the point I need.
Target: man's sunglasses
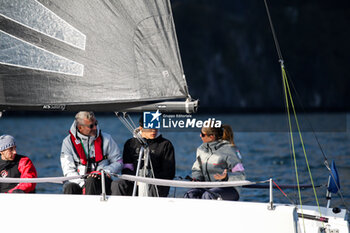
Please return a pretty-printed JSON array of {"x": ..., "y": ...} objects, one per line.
[{"x": 91, "y": 126}]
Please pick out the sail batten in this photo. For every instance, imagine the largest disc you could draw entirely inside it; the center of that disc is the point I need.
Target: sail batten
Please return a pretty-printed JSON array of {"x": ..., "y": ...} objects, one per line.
[{"x": 85, "y": 53}]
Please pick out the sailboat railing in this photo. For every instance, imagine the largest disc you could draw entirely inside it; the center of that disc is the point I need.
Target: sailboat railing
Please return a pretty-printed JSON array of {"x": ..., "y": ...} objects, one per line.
[
  {"x": 265, "y": 184},
  {"x": 55, "y": 180},
  {"x": 152, "y": 181}
]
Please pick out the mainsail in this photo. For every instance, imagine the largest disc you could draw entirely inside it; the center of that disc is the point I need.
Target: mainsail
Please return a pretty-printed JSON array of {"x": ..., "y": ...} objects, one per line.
[{"x": 89, "y": 55}]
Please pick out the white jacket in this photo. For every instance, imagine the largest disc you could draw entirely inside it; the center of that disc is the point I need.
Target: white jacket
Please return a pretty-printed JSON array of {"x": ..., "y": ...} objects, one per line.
[{"x": 70, "y": 161}]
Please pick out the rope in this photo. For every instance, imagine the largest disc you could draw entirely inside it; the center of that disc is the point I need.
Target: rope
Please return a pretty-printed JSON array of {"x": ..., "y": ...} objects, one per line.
[
  {"x": 303, "y": 146},
  {"x": 130, "y": 125},
  {"x": 125, "y": 122},
  {"x": 284, "y": 79},
  {"x": 326, "y": 164},
  {"x": 284, "y": 72},
  {"x": 283, "y": 193},
  {"x": 273, "y": 33},
  {"x": 57, "y": 180},
  {"x": 288, "y": 97},
  {"x": 186, "y": 184}
]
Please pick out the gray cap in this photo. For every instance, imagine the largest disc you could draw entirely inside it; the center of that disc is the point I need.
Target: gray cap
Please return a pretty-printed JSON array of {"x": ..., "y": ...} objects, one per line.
[{"x": 6, "y": 141}]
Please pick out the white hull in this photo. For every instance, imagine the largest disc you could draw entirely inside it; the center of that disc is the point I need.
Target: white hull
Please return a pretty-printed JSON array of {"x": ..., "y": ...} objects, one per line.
[{"x": 77, "y": 213}]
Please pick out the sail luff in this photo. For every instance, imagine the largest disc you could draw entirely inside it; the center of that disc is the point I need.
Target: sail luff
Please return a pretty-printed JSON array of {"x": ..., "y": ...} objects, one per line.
[{"x": 178, "y": 52}]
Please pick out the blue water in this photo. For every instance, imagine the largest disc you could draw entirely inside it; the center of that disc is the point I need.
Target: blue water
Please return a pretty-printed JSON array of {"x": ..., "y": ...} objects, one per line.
[{"x": 262, "y": 139}]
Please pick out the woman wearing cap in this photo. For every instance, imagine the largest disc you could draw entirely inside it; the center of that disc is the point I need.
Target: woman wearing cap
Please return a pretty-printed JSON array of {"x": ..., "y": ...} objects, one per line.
[
  {"x": 15, "y": 166},
  {"x": 216, "y": 160}
]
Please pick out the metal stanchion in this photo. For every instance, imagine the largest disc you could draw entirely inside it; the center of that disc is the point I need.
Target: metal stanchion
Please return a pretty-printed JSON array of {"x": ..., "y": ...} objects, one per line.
[
  {"x": 271, "y": 206},
  {"x": 103, "y": 185}
]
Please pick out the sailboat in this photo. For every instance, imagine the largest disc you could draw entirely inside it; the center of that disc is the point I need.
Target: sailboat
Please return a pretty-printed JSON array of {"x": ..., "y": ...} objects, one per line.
[{"x": 119, "y": 56}]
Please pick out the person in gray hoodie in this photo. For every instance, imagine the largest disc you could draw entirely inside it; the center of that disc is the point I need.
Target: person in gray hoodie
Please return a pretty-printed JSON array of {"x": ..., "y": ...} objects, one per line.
[
  {"x": 216, "y": 160},
  {"x": 87, "y": 151}
]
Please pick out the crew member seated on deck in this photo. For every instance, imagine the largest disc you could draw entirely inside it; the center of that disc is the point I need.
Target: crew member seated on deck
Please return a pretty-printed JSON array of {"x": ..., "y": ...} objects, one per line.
[
  {"x": 162, "y": 157},
  {"x": 216, "y": 160},
  {"x": 13, "y": 165},
  {"x": 87, "y": 151}
]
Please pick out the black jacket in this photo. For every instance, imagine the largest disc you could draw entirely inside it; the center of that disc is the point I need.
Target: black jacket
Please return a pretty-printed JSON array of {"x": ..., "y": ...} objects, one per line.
[{"x": 162, "y": 158}]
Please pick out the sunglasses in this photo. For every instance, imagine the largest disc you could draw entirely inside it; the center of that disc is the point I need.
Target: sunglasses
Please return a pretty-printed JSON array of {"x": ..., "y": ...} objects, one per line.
[
  {"x": 91, "y": 126},
  {"x": 203, "y": 134}
]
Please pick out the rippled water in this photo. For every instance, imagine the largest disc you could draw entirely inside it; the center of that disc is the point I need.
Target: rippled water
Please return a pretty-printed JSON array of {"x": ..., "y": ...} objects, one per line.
[{"x": 262, "y": 139}]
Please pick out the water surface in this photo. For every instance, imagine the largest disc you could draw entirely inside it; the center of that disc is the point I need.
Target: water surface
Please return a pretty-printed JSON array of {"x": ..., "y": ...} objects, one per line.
[{"x": 262, "y": 139}]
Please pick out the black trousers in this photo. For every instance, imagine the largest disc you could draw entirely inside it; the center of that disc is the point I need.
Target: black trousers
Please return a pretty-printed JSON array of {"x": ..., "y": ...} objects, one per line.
[
  {"x": 92, "y": 186},
  {"x": 226, "y": 193},
  {"x": 124, "y": 188}
]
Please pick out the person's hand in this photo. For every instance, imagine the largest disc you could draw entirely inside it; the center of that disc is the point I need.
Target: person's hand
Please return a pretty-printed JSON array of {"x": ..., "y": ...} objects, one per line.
[
  {"x": 222, "y": 176},
  {"x": 95, "y": 174}
]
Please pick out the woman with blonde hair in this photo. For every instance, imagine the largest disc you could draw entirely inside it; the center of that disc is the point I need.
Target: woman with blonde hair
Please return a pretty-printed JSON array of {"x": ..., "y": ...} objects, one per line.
[
  {"x": 216, "y": 160},
  {"x": 229, "y": 136}
]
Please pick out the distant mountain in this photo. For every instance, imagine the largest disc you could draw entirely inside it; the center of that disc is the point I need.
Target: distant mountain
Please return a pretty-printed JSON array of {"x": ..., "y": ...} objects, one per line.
[{"x": 230, "y": 59}]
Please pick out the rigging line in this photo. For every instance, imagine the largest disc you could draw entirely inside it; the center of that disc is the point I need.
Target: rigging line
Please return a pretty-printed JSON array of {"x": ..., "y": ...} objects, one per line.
[
  {"x": 308, "y": 121},
  {"x": 131, "y": 129},
  {"x": 286, "y": 99},
  {"x": 134, "y": 128},
  {"x": 273, "y": 33},
  {"x": 278, "y": 52},
  {"x": 283, "y": 193},
  {"x": 292, "y": 141},
  {"x": 298, "y": 98},
  {"x": 131, "y": 121},
  {"x": 326, "y": 164},
  {"x": 342, "y": 198},
  {"x": 340, "y": 193},
  {"x": 125, "y": 123},
  {"x": 302, "y": 143},
  {"x": 318, "y": 143}
]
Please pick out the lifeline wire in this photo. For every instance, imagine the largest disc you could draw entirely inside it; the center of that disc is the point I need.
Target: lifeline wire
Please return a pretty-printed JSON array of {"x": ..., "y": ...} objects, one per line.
[{"x": 186, "y": 184}]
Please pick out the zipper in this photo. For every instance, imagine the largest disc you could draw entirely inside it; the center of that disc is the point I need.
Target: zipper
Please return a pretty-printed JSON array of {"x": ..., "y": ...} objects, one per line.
[{"x": 206, "y": 163}]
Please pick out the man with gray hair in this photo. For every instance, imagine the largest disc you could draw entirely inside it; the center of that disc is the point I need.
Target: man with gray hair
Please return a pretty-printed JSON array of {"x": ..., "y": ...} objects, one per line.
[
  {"x": 15, "y": 166},
  {"x": 87, "y": 151}
]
